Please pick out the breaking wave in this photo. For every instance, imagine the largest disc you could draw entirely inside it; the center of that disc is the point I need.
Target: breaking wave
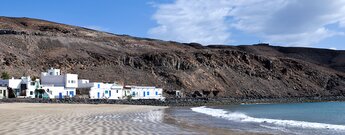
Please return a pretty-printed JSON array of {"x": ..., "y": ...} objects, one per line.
[{"x": 241, "y": 117}]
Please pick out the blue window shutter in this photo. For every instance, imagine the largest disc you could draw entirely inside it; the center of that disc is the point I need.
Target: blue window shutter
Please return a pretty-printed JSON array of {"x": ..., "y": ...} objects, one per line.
[
  {"x": 148, "y": 93},
  {"x": 156, "y": 93}
]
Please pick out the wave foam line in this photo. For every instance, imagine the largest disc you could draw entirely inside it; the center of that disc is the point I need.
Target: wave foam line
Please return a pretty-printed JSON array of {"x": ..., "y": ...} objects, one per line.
[{"x": 240, "y": 117}]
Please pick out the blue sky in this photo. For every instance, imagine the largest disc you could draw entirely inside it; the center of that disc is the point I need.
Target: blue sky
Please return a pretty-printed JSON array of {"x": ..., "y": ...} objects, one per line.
[{"x": 311, "y": 23}]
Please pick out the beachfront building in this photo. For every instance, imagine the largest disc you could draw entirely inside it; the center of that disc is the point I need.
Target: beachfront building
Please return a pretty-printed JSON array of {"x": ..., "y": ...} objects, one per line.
[
  {"x": 100, "y": 90},
  {"x": 145, "y": 92},
  {"x": 23, "y": 87},
  {"x": 3, "y": 92},
  {"x": 57, "y": 85}
]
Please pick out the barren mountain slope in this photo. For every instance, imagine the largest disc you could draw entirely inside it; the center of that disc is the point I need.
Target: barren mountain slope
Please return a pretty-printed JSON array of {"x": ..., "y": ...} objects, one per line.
[{"x": 30, "y": 46}]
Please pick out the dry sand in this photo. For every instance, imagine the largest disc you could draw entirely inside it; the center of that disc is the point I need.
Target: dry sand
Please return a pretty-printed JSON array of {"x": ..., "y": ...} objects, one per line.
[
  {"x": 86, "y": 119},
  {"x": 57, "y": 119}
]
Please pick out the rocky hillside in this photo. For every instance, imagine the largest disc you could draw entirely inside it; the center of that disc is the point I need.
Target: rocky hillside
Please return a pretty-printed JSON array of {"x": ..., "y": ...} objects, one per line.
[{"x": 29, "y": 46}]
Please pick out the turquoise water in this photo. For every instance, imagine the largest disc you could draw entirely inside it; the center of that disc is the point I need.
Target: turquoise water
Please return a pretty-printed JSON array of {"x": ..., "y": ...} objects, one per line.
[
  {"x": 298, "y": 118},
  {"x": 326, "y": 112}
]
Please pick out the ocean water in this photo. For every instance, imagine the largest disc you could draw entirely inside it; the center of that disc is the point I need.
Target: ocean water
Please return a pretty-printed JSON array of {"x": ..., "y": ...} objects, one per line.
[{"x": 326, "y": 118}]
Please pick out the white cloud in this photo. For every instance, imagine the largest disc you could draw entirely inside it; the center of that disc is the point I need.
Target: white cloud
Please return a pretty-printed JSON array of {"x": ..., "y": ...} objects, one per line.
[
  {"x": 99, "y": 28},
  {"x": 284, "y": 22},
  {"x": 200, "y": 21}
]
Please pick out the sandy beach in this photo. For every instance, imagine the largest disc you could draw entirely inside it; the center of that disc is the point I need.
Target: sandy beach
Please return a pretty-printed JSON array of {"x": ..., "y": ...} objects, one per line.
[
  {"x": 57, "y": 119},
  {"x": 67, "y": 119}
]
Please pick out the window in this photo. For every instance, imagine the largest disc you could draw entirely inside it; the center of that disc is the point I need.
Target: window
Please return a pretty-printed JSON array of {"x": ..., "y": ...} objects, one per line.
[
  {"x": 156, "y": 93},
  {"x": 31, "y": 92},
  {"x": 133, "y": 93},
  {"x": 106, "y": 91},
  {"x": 117, "y": 91},
  {"x": 147, "y": 93},
  {"x": 32, "y": 83},
  {"x": 0, "y": 91},
  {"x": 99, "y": 85}
]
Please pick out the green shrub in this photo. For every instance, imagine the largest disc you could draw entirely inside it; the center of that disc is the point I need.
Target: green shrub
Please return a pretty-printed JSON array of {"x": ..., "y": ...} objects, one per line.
[{"x": 5, "y": 75}]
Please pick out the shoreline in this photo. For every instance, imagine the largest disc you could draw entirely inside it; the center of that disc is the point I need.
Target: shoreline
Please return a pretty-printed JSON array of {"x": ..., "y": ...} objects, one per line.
[{"x": 180, "y": 122}]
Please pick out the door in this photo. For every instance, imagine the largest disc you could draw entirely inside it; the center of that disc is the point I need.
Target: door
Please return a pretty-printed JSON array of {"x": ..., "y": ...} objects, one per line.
[
  {"x": 4, "y": 93},
  {"x": 109, "y": 93},
  {"x": 60, "y": 95},
  {"x": 71, "y": 93},
  {"x": 98, "y": 94},
  {"x": 144, "y": 93}
]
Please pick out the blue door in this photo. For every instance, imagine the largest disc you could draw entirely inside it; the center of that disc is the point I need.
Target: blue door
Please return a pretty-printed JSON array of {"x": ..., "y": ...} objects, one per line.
[
  {"x": 60, "y": 95},
  {"x": 144, "y": 93},
  {"x": 109, "y": 93},
  {"x": 98, "y": 94},
  {"x": 71, "y": 93}
]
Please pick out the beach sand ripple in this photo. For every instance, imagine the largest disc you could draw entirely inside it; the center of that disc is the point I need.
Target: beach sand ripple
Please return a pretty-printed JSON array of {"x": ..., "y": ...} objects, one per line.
[{"x": 66, "y": 119}]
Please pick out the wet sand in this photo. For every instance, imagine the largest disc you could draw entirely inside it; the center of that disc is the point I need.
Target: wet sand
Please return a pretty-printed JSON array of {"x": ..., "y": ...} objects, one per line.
[{"x": 66, "y": 119}]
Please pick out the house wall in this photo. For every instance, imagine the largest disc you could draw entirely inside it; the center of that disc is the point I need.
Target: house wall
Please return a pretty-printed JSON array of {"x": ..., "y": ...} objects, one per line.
[
  {"x": 71, "y": 80},
  {"x": 3, "y": 92},
  {"x": 99, "y": 90},
  {"x": 142, "y": 92},
  {"x": 54, "y": 91}
]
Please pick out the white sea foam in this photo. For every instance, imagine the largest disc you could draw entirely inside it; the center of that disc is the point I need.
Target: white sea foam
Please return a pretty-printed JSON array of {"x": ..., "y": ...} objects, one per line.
[{"x": 241, "y": 117}]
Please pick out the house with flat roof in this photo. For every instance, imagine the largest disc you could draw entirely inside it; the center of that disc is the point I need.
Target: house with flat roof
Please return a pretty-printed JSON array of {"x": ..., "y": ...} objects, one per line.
[
  {"x": 145, "y": 92},
  {"x": 57, "y": 85},
  {"x": 100, "y": 90},
  {"x": 23, "y": 87}
]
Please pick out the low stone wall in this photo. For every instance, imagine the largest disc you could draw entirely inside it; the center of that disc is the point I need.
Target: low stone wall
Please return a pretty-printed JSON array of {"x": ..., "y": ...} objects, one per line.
[{"x": 175, "y": 102}]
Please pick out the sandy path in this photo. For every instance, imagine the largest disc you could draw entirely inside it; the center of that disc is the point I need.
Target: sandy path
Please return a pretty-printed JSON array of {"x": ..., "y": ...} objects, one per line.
[{"x": 61, "y": 119}]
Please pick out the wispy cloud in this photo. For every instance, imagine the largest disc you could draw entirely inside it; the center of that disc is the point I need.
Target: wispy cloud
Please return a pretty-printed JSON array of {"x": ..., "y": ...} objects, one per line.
[
  {"x": 200, "y": 21},
  {"x": 289, "y": 22},
  {"x": 99, "y": 28}
]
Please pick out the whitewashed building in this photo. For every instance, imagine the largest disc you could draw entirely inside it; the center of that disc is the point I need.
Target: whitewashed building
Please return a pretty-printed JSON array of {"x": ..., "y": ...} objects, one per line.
[
  {"x": 12, "y": 83},
  {"x": 3, "y": 92},
  {"x": 58, "y": 85},
  {"x": 145, "y": 92},
  {"x": 100, "y": 90},
  {"x": 23, "y": 87}
]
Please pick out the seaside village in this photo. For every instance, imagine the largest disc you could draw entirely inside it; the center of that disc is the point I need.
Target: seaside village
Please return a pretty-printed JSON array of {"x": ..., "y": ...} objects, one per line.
[{"x": 52, "y": 85}]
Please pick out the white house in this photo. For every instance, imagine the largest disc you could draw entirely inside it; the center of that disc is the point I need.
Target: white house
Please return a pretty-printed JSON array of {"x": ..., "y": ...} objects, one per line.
[
  {"x": 100, "y": 90},
  {"x": 12, "y": 83},
  {"x": 3, "y": 92},
  {"x": 57, "y": 85},
  {"x": 145, "y": 92},
  {"x": 23, "y": 87}
]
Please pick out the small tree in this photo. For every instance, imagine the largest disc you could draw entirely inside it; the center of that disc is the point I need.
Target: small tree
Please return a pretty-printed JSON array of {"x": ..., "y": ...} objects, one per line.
[
  {"x": 34, "y": 78},
  {"x": 5, "y": 75}
]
